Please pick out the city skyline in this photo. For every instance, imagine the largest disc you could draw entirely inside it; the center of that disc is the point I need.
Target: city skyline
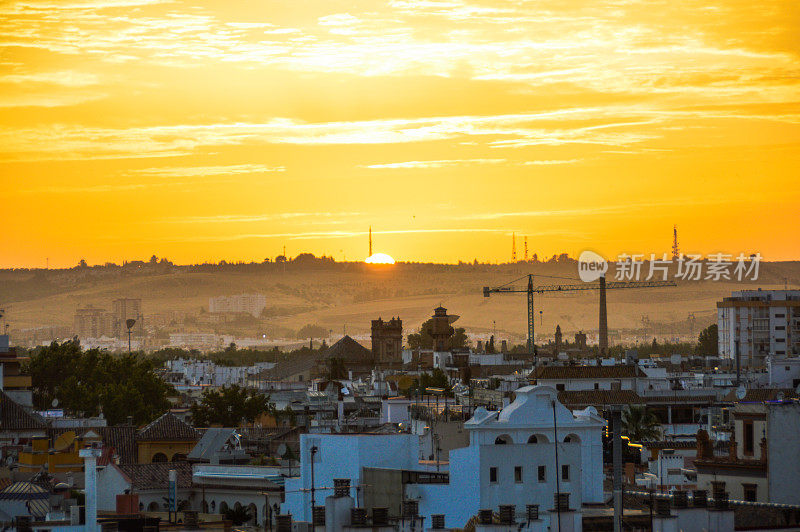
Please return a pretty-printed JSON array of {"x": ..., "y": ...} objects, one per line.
[{"x": 227, "y": 131}]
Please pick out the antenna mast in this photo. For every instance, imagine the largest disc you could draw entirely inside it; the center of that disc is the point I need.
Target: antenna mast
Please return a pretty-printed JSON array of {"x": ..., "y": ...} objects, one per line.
[
  {"x": 526, "y": 248},
  {"x": 513, "y": 247},
  {"x": 676, "y": 254},
  {"x": 370, "y": 241}
]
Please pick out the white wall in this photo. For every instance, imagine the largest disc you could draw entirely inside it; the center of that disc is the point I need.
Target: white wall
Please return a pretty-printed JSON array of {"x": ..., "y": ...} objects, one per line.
[{"x": 343, "y": 456}]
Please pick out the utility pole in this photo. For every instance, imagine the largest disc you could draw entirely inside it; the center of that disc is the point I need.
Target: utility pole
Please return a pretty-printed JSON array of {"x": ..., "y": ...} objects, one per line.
[
  {"x": 616, "y": 461},
  {"x": 557, "y": 472},
  {"x": 313, "y": 450}
]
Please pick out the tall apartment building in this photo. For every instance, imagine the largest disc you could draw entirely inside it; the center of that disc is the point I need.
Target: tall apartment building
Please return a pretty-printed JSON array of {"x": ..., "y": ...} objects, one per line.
[
  {"x": 124, "y": 309},
  {"x": 762, "y": 322},
  {"x": 244, "y": 303},
  {"x": 91, "y": 322}
]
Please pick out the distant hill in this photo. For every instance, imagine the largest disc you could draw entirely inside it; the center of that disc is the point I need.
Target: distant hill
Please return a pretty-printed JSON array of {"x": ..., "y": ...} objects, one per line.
[{"x": 348, "y": 295}]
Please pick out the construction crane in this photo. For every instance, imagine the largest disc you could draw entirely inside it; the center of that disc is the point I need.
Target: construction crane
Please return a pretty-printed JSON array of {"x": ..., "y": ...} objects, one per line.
[{"x": 601, "y": 285}]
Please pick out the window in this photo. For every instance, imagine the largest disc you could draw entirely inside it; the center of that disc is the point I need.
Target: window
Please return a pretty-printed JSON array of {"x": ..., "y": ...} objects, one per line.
[
  {"x": 780, "y": 315},
  {"x": 750, "y": 492},
  {"x": 749, "y": 444},
  {"x": 565, "y": 473},
  {"x": 492, "y": 474},
  {"x": 560, "y": 387},
  {"x": 780, "y": 327},
  {"x": 597, "y": 386},
  {"x": 518, "y": 474},
  {"x": 542, "y": 473},
  {"x": 780, "y": 340}
]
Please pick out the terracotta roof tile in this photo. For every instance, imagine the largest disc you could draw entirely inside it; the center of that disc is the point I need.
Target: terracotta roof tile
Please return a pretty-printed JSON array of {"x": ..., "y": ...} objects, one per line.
[
  {"x": 156, "y": 476},
  {"x": 123, "y": 439},
  {"x": 587, "y": 372},
  {"x": 599, "y": 397},
  {"x": 13, "y": 416},
  {"x": 168, "y": 428}
]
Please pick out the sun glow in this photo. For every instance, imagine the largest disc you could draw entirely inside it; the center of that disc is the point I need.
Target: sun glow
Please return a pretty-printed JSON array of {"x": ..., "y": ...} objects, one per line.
[{"x": 379, "y": 258}]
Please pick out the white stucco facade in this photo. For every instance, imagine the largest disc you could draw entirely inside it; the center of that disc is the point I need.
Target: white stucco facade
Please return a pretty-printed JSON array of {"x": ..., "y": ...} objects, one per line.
[{"x": 511, "y": 459}]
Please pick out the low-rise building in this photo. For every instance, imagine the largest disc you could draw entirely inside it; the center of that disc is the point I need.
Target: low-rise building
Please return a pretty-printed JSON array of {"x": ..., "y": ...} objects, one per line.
[{"x": 762, "y": 463}]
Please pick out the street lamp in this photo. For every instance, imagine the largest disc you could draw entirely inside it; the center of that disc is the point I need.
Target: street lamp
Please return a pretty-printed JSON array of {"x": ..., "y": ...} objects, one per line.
[{"x": 129, "y": 323}]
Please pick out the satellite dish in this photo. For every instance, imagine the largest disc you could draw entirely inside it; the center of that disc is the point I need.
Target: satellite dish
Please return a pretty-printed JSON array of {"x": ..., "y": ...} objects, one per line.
[
  {"x": 452, "y": 317},
  {"x": 780, "y": 397},
  {"x": 345, "y": 391},
  {"x": 130, "y": 322},
  {"x": 797, "y": 390},
  {"x": 55, "y": 401},
  {"x": 64, "y": 441},
  {"x": 741, "y": 392},
  {"x": 282, "y": 450}
]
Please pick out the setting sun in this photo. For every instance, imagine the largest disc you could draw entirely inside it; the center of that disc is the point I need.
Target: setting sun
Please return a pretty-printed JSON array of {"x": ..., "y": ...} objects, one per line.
[{"x": 379, "y": 258}]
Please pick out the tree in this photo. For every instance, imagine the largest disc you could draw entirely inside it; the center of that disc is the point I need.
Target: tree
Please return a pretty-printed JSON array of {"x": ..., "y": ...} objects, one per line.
[
  {"x": 640, "y": 424},
  {"x": 229, "y": 406},
  {"x": 238, "y": 515},
  {"x": 423, "y": 339},
  {"x": 708, "y": 341},
  {"x": 312, "y": 331},
  {"x": 436, "y": 379},
  {"x": 91, "y": 382}
]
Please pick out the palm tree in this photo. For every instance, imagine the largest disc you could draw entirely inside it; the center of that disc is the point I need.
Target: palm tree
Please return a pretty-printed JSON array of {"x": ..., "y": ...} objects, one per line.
[
  {"x": 640, "y": 424},
  {"x": 238, "y": 516}
]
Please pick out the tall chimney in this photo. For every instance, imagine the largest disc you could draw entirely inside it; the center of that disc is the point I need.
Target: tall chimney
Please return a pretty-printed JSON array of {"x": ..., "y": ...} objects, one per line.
[{"x": 603, "y": 329}]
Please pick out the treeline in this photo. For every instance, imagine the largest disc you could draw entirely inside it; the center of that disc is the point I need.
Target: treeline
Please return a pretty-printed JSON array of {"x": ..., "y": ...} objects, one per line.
[
  {"x": 233, "y": 356},
  {"x": 88, "y": 383}
]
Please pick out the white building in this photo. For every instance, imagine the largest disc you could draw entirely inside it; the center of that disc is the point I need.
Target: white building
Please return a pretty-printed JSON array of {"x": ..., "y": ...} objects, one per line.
[
  {"x": 344, "y": 456},
  {"x": 201, "y": 371},
  {"x": 762, "y": 322},
  {"x": 510, "y": 460},
  {"x": 244, "y": 303},
  {"x": 763, "y": 466},
  {"x": 617, "y": 377}
]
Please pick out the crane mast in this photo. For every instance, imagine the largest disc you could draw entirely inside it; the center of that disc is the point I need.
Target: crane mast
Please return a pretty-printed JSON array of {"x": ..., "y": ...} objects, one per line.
[{"x": 601, "y": 285}]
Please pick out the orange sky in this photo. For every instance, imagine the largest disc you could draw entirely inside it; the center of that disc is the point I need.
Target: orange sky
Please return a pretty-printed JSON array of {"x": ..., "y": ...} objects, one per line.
[{"x": 226, "y": 130}]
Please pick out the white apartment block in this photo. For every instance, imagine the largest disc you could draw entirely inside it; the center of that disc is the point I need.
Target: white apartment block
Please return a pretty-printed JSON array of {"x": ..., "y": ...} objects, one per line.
[
  {"x": 244, "y": 303},
  {"x": 763, "y": 322}
]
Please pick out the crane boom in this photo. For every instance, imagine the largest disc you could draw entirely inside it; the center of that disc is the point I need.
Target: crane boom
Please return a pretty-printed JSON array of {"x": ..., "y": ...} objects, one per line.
[{"x": 600, "y": 285}]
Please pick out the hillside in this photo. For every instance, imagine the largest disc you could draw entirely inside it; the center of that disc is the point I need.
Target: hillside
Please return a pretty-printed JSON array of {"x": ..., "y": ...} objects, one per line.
[{"x": 339, "y": 295}]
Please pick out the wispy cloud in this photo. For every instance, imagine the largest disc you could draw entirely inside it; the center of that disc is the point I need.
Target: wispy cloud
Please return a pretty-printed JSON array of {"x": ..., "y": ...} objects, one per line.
[
  {"x": 585, "y": 211},
  {"x": 435, "y": 164},
  {"x": 248, "y": 218},
  {"x": 66, "y": 78},
  {"x": 192, "y": 171},
  {"x": 550, "y": 162}
]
